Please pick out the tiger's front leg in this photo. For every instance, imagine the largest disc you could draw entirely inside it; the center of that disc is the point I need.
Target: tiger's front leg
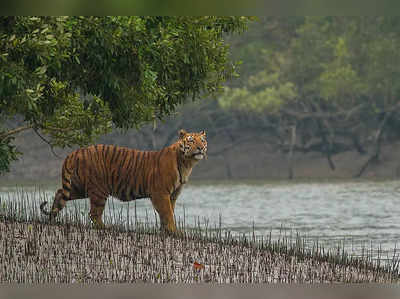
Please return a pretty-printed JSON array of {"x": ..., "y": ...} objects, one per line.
[
  {"x": 162, "y": 204},
  {"x": 174, "y": 197}
]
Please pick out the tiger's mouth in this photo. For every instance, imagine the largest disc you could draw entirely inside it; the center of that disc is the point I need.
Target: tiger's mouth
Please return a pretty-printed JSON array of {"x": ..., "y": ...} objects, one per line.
[{"x": 198, "y": 155}]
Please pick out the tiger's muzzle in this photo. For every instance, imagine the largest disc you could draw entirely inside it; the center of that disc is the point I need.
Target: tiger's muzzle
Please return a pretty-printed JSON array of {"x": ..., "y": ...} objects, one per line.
[{"x": 200, "y": 154}]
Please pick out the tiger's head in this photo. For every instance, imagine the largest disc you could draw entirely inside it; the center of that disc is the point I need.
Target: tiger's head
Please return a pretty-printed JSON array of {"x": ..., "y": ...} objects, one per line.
[{"x": 193, "y": 145}]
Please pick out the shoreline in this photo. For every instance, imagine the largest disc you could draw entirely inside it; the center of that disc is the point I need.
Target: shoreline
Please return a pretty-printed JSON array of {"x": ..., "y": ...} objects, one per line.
[
  {"x": 35, "y": 252},
  {"x": 72, "y": 251},
  {"x": 55, "y": 183}
]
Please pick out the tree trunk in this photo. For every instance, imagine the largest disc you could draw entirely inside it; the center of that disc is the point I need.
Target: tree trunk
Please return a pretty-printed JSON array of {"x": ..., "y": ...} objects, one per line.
[
  {"x": 331, "y": 164},
  {"x": 290, "y": 154},
  {"x": 378, "y": 142},
  {"x": 154, "y": 139}
]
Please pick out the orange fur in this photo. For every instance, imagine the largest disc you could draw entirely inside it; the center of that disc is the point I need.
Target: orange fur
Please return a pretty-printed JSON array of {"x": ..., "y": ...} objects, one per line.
[{"x": 99, "y": 171}]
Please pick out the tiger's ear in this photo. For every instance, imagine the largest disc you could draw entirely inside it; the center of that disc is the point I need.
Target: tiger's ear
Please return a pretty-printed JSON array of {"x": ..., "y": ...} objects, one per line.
[
  {"x": 203, "y": 133},
  {"x": 182, "y": 133}
]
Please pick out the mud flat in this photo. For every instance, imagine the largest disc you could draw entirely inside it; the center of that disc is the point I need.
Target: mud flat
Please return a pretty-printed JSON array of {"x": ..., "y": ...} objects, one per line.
[{"x": 36, "y": 252}]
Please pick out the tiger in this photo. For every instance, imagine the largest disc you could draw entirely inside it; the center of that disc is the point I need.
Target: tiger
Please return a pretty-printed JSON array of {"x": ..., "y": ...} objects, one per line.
[{"x": 99, "y": 171}]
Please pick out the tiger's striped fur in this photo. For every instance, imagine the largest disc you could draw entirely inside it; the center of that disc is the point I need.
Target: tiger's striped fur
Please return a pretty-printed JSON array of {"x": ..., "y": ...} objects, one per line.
[{"x": 99, "y": 171}]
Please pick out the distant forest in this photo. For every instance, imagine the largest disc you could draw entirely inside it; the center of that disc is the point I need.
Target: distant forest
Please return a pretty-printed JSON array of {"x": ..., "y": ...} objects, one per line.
[{"x": 310, "y": 91}]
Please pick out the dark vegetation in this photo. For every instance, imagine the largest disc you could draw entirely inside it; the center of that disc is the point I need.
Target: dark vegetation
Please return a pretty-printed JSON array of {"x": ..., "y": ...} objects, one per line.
[
  {"x": 70, "y": 79},
  {"x": 135, "y": 251}
]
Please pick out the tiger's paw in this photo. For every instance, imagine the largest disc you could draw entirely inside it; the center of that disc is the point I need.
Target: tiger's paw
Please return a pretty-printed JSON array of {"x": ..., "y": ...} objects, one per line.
[{"x": 177, "y": 233}]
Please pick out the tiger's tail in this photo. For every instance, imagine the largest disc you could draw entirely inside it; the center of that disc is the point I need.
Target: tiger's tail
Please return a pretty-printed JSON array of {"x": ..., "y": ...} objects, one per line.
[
  {"x": 58, "y": 205},
  {"x": 47, "y": 213}
]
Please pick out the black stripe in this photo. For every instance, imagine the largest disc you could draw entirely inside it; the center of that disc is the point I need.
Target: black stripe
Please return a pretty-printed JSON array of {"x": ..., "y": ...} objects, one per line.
[
  {"x": 107, "y": 169},
  {"x": 101, "y": 164},
  {"x": 121, "y": 174},
  {"x": 109, "y": 166},
  {"x": 95, "y": 171},
  {"x": 134, "y": 172},
  {"x": 138, "y": 170},
  {"x": 131, "y": 160},
  {"x": 66, "y": 188},
  {"x": 99, "y": 152},
  {"x": 67, "y": 171},
  {"x": 128, "y": 169},
  {"x": 96, "y": 158},
  {"x": 113, "y": 178},
  {"x": 112, "y": 169},
  {"x": 77, "y": 165},
  {"x": 117, "y": 157},
  {"x": 106, "y": 152},
  {"x": 85, "y": 180},
  {"x": 112, "y": 182},
  {"x": 143, "y": 171},
  {"x": 136, "y": 162},
  {"x": 90, "y": 156},
  {"x": 122, "y": 162},
  {"x": 84, "y": 160},
  {"x": 159, "y": 158},
  {"x": 70, "y": 160}
]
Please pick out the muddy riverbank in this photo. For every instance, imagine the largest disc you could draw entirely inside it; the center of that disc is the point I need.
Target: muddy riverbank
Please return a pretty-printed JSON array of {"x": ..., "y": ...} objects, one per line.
[{"x": 40, "y": 253}]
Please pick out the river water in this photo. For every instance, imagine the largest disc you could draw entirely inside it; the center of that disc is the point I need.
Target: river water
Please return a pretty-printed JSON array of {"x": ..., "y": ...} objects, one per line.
[{"x": 358, "y": 215}]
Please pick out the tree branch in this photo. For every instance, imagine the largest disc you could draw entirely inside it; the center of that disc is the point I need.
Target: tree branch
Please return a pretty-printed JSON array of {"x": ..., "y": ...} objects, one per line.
[
  {"x": 15, "y": 131},
  {"x": 48, "y": 143},
  {"x": 378, "y": 141}
]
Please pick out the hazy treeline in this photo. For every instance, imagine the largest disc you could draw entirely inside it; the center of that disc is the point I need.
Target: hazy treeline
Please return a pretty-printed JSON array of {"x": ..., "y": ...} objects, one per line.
[{"x": 322, "y": 84}]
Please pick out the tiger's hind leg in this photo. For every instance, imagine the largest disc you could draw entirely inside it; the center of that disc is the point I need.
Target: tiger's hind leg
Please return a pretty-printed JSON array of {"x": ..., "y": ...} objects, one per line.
[{"x": 97, "y": 204}]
